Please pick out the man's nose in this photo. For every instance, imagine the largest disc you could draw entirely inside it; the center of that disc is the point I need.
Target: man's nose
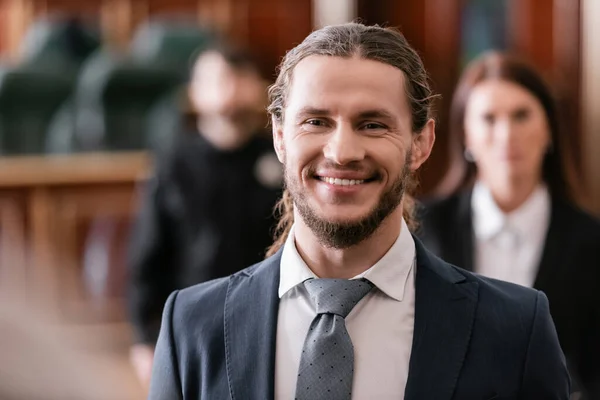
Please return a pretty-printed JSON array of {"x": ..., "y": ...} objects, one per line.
[{"x": 344, "y": 146}]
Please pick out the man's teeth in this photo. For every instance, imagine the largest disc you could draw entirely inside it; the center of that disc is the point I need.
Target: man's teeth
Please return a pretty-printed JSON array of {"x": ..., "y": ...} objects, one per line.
[{"x": 342, "y": 182}]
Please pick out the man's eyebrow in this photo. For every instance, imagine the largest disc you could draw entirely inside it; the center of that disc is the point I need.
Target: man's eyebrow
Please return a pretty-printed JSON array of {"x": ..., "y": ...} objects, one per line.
[
  {"x": 375, "y": 113},
  {"x": 313, "y": 111}
]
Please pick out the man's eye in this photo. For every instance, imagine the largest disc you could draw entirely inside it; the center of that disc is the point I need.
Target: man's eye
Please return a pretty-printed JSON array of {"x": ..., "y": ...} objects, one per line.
[
  {"x": 373, "y": 128},
  {"x": 372, "y": 125},
  {"x": 315, "y": 125}
]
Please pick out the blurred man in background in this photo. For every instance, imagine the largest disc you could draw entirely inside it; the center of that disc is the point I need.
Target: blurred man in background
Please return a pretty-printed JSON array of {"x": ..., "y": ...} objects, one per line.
[{"x": 208, "y": 211}]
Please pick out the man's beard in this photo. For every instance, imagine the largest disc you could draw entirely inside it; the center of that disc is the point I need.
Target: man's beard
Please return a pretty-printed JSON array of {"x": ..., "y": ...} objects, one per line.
[{"x": 345, "y": 234}]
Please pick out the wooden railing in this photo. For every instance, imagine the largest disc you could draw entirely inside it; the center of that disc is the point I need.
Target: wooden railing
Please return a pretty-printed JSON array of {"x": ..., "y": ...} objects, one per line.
[{"x": 48, "y": 206}]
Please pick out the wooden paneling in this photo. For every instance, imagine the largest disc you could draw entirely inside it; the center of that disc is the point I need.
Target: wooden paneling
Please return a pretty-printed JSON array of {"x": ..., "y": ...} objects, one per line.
[
  {"x": 408, "y": 16},
  {"x": 590, "y": 95},
  {"x": 567, "y": 78},
  {"x": 188, "y": 7},
  {"x": 548, "y": 33},
  {"x": 16, "y": 15},
  {"x": 269, "y": 27},
  {"x": 441, "y": 50},
  {"x": 71, "y": 7},
  {"x": 531, "y": 31},
  {"x": 274, "y": 27},
  {"x": 119, "y": 19}
]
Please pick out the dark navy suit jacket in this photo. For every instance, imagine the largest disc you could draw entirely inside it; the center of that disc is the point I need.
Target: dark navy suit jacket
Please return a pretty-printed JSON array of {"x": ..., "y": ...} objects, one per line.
[{"x": 474, "y": 338}]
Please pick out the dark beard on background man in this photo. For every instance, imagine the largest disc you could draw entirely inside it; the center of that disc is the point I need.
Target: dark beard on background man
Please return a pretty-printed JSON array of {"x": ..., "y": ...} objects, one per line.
[{"x": 342, "y": 235}]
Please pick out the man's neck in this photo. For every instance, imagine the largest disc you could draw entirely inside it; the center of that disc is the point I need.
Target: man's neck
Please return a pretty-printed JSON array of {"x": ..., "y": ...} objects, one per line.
[{"x": 346, "y": 263}]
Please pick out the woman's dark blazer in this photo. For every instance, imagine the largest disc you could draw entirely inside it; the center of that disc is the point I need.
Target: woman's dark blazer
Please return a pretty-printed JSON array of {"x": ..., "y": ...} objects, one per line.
[{"x": 569, "y": 273}]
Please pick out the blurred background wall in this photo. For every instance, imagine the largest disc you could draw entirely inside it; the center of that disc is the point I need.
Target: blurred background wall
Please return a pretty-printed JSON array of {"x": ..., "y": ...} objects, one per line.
[
  {"x": 590, "y": 96},
  {"x": 88, "y": 89}
]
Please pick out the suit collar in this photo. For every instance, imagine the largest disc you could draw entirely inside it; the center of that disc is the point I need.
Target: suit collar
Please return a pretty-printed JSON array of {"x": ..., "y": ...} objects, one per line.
[
  {"x": 250, "y": 320},
  {"x": 444, "y": 313}
]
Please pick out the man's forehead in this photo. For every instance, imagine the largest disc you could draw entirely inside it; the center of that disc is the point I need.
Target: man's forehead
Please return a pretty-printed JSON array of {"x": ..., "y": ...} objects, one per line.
[
  {"x": 322, "y": 82},
  {"x": 315, "y": 66}
]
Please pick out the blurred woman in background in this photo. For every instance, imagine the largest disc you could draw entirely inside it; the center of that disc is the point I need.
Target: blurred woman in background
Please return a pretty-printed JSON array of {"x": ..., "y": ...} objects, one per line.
[{"x": 515, "y": 218}]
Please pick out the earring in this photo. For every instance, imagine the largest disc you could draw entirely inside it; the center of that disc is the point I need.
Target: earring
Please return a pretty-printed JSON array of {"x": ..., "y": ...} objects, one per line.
[{"x": 469, "y": 156}]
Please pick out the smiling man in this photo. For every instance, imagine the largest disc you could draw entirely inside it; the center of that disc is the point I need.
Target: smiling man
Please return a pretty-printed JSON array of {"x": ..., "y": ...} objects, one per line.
[{"x": 350, "y": 305}]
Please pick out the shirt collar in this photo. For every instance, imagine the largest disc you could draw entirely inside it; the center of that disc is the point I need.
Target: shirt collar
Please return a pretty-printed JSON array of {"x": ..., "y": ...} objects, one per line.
[
  {"x": 293, "y": 269},
  {"x": 389, "y": 274},
  {"x": 489, "y": 220}
]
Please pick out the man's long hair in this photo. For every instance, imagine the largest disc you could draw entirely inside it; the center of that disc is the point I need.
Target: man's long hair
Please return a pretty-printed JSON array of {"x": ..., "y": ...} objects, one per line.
[{"x": 376, "y": 43}]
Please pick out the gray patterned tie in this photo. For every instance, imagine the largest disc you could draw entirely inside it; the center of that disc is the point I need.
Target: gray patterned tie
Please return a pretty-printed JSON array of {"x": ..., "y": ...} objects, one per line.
[{"x": 327, "y": 362}]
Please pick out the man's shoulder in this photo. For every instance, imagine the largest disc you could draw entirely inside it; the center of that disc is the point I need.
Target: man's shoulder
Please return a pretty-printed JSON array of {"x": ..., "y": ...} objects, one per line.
[
  {"x": 207, "y": 295},
  {"x": 496, "y": 300},
  {"x": 502, "y": 299},
  {"x": 199, "y": 311}
]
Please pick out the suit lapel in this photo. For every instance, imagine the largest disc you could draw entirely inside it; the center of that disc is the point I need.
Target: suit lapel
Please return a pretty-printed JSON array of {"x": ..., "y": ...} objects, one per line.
[
  {"x": 251, "y": 308},
  {"x": 444, "y": 312}
]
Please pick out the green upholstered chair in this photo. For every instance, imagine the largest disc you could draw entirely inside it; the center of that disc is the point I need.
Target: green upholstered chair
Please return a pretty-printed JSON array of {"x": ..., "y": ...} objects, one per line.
[
  {"x": 58, "y": 43},
  {"x": 170, "y": 43},
  {"x": 111, "y": 105},
  {"x": 29, "y": 98},
  {"x": 165, "y": 119}
]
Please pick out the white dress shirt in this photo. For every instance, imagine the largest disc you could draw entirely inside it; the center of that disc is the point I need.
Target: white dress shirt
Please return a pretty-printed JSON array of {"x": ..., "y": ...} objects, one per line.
[
  {"x": 380, "y": 325},
  {"x": 509, "y": 246}
]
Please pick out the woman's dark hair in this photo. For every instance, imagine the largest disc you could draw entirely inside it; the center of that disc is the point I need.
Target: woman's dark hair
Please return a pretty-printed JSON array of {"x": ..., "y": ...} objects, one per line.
[{"x": 502, "y": 66}]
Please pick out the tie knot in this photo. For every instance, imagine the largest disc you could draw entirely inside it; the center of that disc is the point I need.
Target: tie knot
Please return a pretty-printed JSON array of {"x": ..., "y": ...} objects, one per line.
[{"x": 337, "y": 296}]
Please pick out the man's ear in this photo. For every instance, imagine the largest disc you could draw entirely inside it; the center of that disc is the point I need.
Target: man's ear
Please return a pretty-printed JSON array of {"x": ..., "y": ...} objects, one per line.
[
  {"x": 422, "y": 145},
  {"x": 278, "y": 139}
]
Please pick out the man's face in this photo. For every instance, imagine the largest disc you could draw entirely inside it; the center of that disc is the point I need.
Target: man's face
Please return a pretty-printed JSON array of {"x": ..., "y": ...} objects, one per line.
[
  {"x": 233, "y": 100},
  {"x": 347, "y": 145}
]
